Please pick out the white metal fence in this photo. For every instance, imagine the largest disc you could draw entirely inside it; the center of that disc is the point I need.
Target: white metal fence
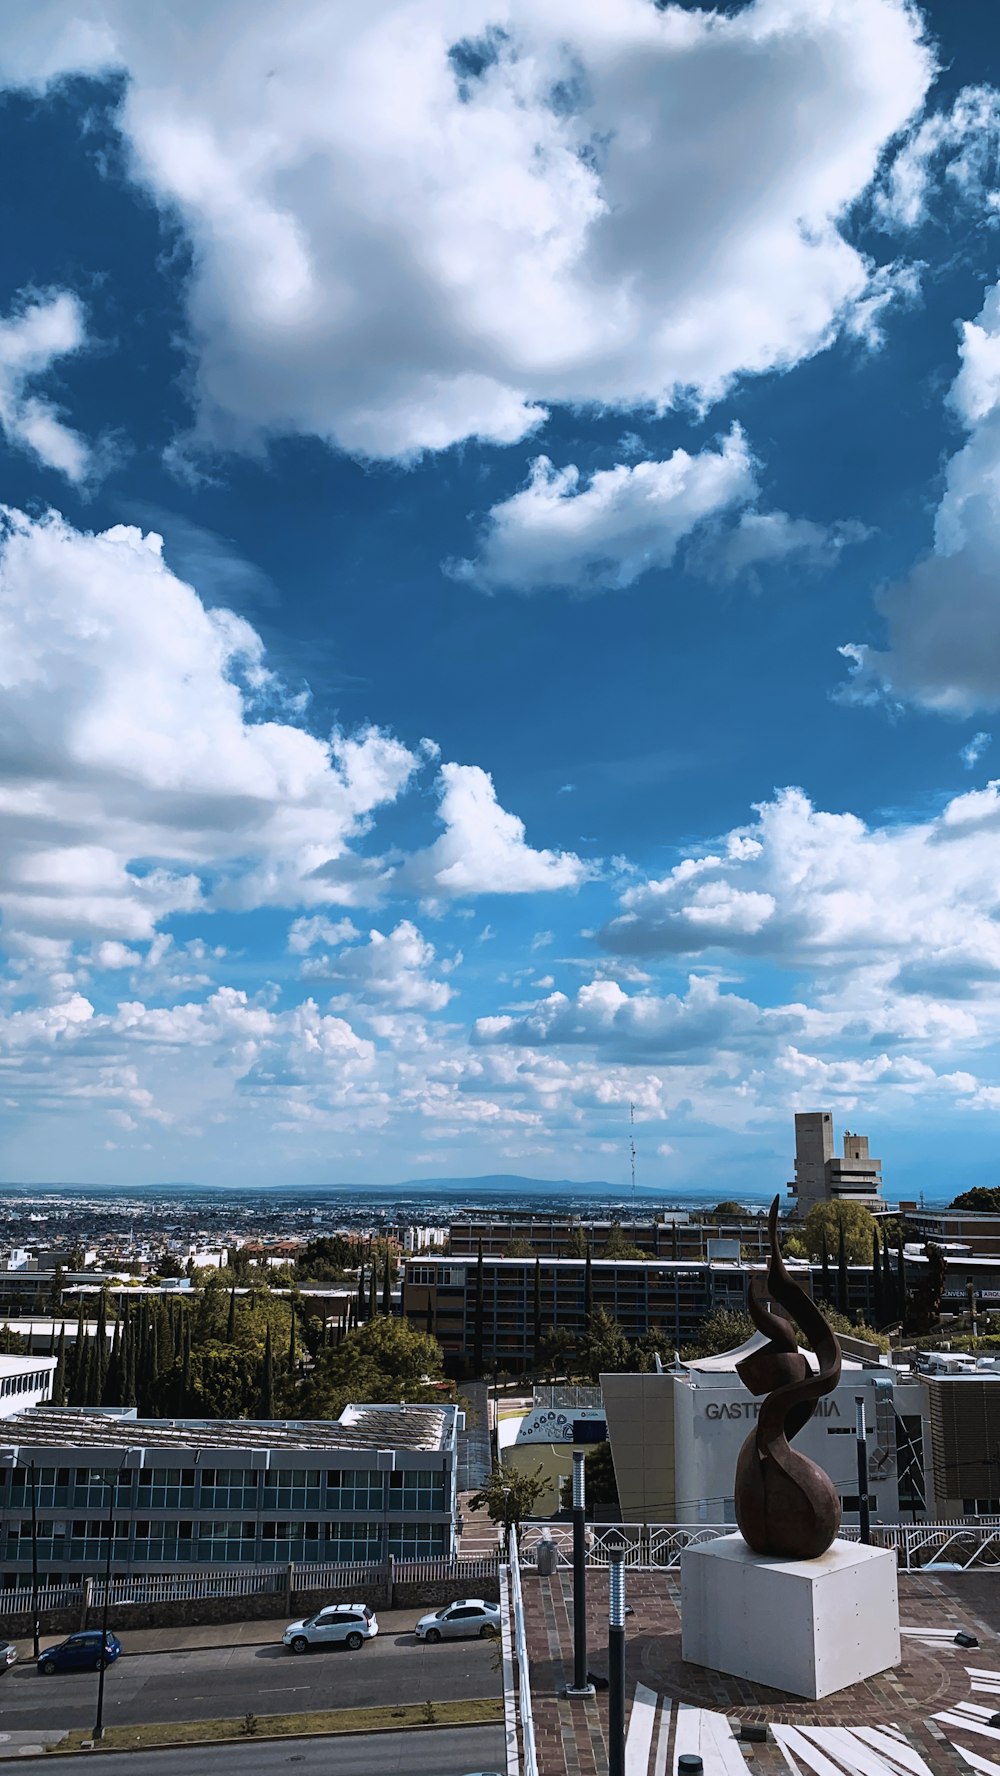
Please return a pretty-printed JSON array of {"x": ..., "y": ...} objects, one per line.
[
  {"x": 523, "y": 1666},
  {"x": 919, "y": 1547},
  {"x": 257, "y": 1581}
]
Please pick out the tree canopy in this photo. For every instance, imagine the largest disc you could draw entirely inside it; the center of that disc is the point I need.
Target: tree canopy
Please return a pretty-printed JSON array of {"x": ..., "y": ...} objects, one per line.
[
  {"x": 383, "y": 1360},
  {"x": 509, "y": 1496},
  {"x": 827, "y": 1219},
  {"x": 983, "y": 1197}
]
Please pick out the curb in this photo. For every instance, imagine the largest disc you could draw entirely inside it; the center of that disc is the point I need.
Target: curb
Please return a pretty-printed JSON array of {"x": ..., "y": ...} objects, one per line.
[{"x": 253, "y": 1738}]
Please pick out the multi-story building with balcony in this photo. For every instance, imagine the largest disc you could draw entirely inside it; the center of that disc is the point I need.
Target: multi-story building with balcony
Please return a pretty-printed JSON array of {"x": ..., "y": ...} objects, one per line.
[{"x": 822, "y": 1175}]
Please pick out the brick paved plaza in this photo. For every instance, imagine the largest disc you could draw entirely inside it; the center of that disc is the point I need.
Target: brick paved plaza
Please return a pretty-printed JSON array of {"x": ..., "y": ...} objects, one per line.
[{"x": 886, "y": 1724}]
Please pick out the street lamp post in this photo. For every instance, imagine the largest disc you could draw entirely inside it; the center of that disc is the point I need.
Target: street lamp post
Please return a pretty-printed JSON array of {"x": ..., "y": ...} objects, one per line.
[
  {"x": 581, "y": 1685},
  {"x": 112, "y": 1485},
  {"x": 616, "y": 1664}
]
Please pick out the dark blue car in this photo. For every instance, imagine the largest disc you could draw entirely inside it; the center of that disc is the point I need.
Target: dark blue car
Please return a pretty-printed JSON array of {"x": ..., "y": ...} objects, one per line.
[{"x": 86, "y": 1651}]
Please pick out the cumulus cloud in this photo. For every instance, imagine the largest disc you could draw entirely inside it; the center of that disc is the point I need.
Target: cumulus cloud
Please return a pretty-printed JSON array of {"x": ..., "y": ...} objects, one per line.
[
  {"x": 483, "y": 849},
  {"x": 129, "y": 732},
  {"x": 32, "y": 338},
  {"x": 973, "y": 750},
  {"x": 763, "y": 539},
  {"x": 554, "y": 223},
  {"x": 943, "y": 621},
  {"x": 622, "y": 523},
  {"x": 392, "y": 968},
  {"x": 898, "y": 926}
]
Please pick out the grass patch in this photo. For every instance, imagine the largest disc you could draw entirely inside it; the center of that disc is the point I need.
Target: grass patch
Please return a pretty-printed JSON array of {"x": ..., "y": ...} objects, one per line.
[{"x": 477, "y": 1712}]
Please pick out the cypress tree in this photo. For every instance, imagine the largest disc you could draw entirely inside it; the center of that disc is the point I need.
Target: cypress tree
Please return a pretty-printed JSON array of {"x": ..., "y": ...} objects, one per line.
[
  {"x": 89, "y": 1387},
  {"x": 827, "y": 1294},
  {"x": 111, "y": 1391},
  {"x": 387, "y": 1285},
  {"x": 477, "y": 1325},
  {"x": 267, "y": 1379},
  {"x": 185, "y": 1378},
  {"x": 231, "y": 1321},
  {"x": 878, "y": 1304},
  {"x": 429, "y": 1316},
  {"x": 128, "y": 1360},
  {"x": 372, "y": 1292},
  {"x": 588, "y": 1287},
  {"x": 362, "y": 1297},
  {"x": 59, "y": 1375},
  {"x": 537, "y": 1312},
  {"x": 674, "y": 1248},
  {"x": 291, "y": 1344},
  {"x": 901, "y": 1281},
  {"x": 842, "y": 1272},
  {"x": 101, "y": 1349},
  {"x": 79, "y": 1362}
]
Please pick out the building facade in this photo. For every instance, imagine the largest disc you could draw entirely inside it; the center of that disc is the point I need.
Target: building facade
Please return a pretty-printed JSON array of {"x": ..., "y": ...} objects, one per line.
[
  {"x": 823, "y": 1175},
  {"x": 380, "y": 1481},
  {"x": 675, "y": 1438},
  {"x": 24, "y": 1382}
]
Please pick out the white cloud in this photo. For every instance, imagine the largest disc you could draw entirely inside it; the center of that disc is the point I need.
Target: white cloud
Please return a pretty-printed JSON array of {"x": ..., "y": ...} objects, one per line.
[
  {"x": 762, "y": 539},
  {"x": 955, "y": 150},
  {"x": 972, "y": 752},
  {"x": 392, "y": 968},
  {"x": 943, "y": 621},
  {"x": 567, "y": 211},
  {"x": 483, "y": 849},
  {"x": 619, "y": 525},
  {"x": 31, "y": 340},
  {"x": 129, "y": 732}
]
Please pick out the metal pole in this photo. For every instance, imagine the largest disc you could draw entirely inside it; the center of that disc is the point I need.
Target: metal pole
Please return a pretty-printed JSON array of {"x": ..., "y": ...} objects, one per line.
[
  {"x": 34, "y": 1561},
  {"x": 110, "y": 1533},
  {"x": 864, "y": 1515},
  {"x": 616, "y": 1664},
  {"x": 581, "y": 1685}
]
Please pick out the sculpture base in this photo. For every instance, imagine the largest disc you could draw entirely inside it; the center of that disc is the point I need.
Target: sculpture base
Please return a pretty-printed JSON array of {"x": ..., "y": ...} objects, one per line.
[{"x": 809, "y": 1627}]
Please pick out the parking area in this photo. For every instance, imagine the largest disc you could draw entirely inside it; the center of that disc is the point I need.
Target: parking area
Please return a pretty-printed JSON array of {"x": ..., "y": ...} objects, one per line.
[{"x": 202, "y": 1682}]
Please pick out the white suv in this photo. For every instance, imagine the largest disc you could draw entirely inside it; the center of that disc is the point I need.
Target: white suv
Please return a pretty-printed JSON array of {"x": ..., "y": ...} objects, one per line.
[{"x": 341, "y": 1624}]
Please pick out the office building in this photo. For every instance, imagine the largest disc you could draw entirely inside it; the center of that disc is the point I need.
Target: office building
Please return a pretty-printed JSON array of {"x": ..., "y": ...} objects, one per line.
[
  {"x": 642, "y": 1295},
  {"x": 964, "y": 1398},
  {"x": 379, "y": 1481},
  {"x": 962, "y": 1232},
  {"x": 821, "y": 1175},
  {"x": 676, "y": 1234},
  {"x": 24, "y": 1382}
]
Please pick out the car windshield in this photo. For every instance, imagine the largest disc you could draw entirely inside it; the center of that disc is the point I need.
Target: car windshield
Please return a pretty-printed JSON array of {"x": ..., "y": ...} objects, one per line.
[{"x": 439, "y": 1615}]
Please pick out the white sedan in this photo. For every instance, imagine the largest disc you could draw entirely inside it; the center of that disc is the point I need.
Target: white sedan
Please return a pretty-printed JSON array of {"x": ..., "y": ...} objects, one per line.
[{"x": 469, "y": 1615}]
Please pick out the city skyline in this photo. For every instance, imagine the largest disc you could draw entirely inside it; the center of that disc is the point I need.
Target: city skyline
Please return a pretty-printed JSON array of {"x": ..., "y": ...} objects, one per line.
[{"x": 499, "y": 649}]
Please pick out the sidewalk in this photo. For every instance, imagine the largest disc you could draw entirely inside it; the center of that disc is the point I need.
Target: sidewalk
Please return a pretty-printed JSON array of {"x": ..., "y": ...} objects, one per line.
[{"x": 216, "y": 1634}]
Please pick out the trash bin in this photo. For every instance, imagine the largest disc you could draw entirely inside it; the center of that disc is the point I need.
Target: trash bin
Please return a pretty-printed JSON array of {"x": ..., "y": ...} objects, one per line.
[{"x": 545, "y": 1555}]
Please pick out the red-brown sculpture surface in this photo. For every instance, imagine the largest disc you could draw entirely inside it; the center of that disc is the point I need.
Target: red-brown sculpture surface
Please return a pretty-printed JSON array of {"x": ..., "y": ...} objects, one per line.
[{"x": 785, "y": 1505}]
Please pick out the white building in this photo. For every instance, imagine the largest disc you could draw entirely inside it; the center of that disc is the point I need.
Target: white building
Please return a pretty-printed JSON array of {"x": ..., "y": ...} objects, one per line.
[
  {"x": 24, "y": 1382},
  {"x": 675, "y": 1438}
]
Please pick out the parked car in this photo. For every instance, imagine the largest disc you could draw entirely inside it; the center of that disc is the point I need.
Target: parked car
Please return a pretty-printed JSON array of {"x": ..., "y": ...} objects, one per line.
[
  {"x": 8, "y": 1654},
  {"x": 341, "y": 1624},
  {"x": 469, "y": 1615},
  {"x": 86, "y": 1651}
]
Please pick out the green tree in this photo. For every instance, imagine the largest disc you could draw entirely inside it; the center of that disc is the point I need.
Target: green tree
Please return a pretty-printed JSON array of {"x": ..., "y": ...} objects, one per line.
[
  {"x": 577, "y": 1245},
  {"x": 386, "y": 1283},
  {"x": 728, "y": 1210},
  {"x": 724, "y": 1330},
  {"x": 588, "y": 1287},
  {"x": 825, "y": 1219},
  {"x": 519, "y": 1249},
  {"x": 385, "y": 1359},
  {"x": 843, "y": 1298},
  {"x": 267, "y": 1380},
  {"x": 603, "y": 1346},
  {"x": 617, "y": 1245},
  {"x": 508, "y": 1497},
  {"x": 59, "y": 1374},
  {"x": 983, "y": 1198},
  {"x": 536, "y": 1315}
]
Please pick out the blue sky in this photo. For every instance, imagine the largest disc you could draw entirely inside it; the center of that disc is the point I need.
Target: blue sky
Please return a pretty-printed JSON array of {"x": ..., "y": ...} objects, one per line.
[{"x": 498, "y": 596}]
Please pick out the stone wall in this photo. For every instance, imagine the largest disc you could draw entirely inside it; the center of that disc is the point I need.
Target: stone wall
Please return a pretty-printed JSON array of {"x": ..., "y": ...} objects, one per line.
[{"x": 277, "y": 1606}]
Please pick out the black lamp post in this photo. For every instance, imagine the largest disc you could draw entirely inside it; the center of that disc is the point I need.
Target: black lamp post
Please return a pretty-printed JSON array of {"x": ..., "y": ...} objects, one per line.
[{"x": 581, "y": 1685}]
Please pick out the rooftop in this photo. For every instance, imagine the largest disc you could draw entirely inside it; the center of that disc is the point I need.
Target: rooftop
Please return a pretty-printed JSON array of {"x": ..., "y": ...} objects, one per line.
[
  {"x": 23, "y": 1365},
  {"x": 359, "y": 1427}
]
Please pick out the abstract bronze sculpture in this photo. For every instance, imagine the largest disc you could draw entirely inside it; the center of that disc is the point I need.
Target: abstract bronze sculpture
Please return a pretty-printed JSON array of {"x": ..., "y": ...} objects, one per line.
[{"x": 785, "y": 1505}]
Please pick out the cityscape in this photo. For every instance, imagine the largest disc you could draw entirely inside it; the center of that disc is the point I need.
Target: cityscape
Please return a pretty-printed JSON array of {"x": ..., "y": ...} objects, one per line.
[{"x": 500, "y": 887}]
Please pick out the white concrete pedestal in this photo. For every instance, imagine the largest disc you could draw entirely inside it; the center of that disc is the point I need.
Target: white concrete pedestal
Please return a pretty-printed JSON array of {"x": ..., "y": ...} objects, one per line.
[{"x": 810, "y": 1627}]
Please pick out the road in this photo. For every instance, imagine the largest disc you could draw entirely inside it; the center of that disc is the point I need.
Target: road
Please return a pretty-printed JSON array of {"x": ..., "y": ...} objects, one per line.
[
  {"x": 206, "y": 1683},
  {"x": 452, "y": 1752}
]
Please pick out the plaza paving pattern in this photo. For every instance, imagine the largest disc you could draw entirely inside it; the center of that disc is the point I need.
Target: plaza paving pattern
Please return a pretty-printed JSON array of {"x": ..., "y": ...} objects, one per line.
[{"x": 928, "y": 1717}]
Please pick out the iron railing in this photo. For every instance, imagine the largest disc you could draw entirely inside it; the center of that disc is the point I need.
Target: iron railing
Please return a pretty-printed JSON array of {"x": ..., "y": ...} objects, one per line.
[{"x": 955, "y": 1546}]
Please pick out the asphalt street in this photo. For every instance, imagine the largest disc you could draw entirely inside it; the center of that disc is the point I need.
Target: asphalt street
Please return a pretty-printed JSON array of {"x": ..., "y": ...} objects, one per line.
[
  {"x": 451, "y": 1752},
  {"x": 205, "y": 1683}
]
